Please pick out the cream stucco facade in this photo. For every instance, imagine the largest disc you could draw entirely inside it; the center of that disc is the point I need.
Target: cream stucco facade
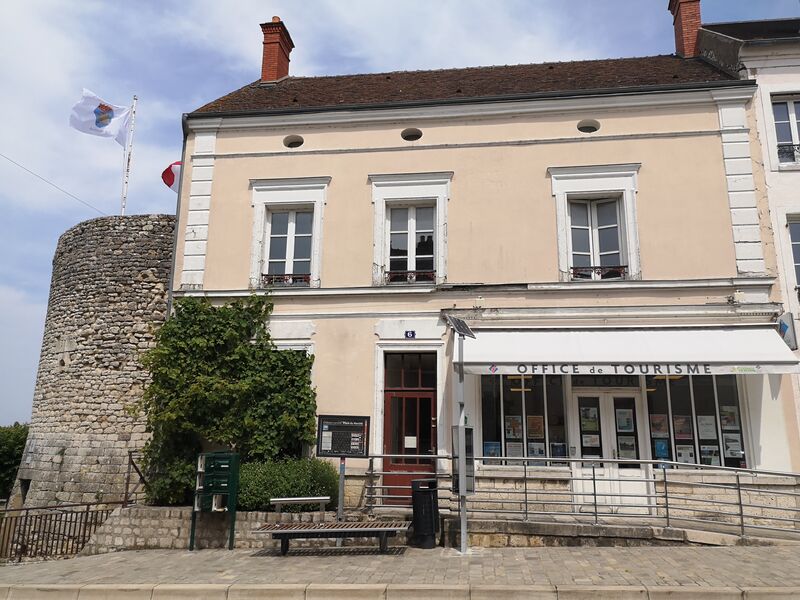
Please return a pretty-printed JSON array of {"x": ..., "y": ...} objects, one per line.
[{"x": 695, "y": 232}]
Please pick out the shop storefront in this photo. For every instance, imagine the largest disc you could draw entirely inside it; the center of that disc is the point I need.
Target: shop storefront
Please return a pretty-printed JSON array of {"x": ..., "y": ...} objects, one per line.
[{"x": 683, "y": 395}]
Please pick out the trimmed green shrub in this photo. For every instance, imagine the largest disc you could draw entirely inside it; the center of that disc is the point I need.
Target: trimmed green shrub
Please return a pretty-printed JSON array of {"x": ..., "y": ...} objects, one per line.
[{"x": 259, "y": 482}]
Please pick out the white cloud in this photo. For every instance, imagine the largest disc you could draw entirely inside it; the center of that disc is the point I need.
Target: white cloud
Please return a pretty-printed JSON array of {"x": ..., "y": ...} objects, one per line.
[{"x": 22, "y": 324}]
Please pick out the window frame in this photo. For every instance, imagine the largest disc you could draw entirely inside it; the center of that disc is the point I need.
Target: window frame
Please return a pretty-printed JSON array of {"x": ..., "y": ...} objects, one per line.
[
  {"x": 411, "y": 235},
  {"x": 406, "y": 190},
  {"x": 793, "y": 219},
  {"x": 595, "y": 255},
  {"x": 592, "y": 182},
  {"x": 286, "y": 195},
  {"x": 792, "y": 106}
]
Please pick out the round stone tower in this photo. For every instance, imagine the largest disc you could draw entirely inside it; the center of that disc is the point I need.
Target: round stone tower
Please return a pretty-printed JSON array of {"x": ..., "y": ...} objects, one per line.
[{"x": 108, "y": 295}]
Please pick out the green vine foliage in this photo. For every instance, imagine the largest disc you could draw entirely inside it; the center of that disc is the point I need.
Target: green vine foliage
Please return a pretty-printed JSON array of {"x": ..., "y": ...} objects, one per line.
[
  {"x": 12, "y": 444},
  {"x": 218, "y": 381}
]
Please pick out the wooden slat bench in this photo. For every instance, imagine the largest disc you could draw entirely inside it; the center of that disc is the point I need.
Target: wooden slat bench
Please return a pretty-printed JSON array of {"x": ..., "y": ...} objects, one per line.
[{"x": 382, "y": 530}]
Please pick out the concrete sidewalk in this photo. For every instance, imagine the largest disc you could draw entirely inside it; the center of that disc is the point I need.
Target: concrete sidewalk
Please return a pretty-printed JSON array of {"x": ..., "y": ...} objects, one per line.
[{"x": 563, "y": 573}]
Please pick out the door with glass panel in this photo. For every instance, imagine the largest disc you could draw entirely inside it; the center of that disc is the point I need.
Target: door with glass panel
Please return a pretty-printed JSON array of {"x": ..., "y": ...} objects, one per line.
[
  {"x": 608, "y": 428},
  {"x": 409, "y": 423}
]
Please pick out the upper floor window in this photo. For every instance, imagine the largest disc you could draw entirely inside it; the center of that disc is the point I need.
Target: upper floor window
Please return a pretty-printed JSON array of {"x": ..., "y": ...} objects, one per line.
[
  {"x": 410, "y": 228},
  {"x": 596, "y": 221},
  {"x": 787, "y": 115},
  {"x": 595, "y": 242},
  {"x": 289, "y": 251},
  {"x": 411, "y": 244},
  {"x": 794, "y": 236},
  {"x": 287, "y": 228}
]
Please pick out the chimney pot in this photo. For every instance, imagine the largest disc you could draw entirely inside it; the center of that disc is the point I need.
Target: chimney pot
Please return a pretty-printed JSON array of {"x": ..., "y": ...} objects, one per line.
[
  {"x": 277, "y": 47},
  {"x": 687, "y": 23}
]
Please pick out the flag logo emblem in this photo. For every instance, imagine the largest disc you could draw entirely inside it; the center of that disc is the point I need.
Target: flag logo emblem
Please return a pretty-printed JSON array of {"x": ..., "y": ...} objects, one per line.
[
  {"x": 103, "y": 115},
  {"x": 493, "y": 369}
]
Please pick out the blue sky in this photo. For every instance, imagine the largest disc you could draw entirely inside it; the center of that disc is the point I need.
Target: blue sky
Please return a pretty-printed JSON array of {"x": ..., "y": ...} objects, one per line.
[{"x": 177, "y": 55}]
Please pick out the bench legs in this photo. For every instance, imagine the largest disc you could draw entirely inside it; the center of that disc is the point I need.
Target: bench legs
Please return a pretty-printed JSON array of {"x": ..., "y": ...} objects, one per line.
[{"x": 284, "y": 546}]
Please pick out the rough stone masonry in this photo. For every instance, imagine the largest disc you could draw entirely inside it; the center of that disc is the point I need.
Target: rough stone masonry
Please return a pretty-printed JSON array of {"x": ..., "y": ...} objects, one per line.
[{"x": 108, "y": 295}]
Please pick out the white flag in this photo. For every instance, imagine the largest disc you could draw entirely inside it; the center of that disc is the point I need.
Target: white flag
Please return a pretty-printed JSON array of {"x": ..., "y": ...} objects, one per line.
[{"x": 93, "y": 115}]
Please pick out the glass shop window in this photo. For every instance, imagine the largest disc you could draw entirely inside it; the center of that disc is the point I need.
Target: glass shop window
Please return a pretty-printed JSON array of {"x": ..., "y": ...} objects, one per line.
[
  {"x": 682, "y": 419},
  {"x": 658, "y": 409},
  {"x": 730, "y": 422},
  {"x": 705, "y": 408},
  {"x": 523, "y": 416}
]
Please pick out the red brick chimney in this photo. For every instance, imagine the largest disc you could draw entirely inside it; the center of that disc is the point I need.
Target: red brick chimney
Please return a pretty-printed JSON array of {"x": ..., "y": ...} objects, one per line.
[
  {"x": 277, "y": 46},
  {"x": 686, "y": 14}
]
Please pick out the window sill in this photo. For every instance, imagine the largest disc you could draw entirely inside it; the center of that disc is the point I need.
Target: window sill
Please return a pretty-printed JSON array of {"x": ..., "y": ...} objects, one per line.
[{"x": 789, "y": 167}]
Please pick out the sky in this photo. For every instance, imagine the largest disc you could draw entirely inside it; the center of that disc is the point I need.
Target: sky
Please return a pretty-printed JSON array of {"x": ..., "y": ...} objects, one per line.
[{"x": 176, "y": 55}]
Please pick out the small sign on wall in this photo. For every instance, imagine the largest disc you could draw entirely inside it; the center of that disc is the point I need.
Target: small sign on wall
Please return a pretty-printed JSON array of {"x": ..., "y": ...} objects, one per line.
[{"x": 411, "y": 335}]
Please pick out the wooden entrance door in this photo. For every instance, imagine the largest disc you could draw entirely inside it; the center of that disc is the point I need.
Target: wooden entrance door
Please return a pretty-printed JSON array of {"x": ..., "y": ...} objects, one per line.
[{"x": 409, "y": 429}]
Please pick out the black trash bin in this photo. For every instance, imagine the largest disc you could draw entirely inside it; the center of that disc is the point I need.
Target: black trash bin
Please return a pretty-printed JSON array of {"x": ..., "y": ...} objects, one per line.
[{"x": 425, "y": 506}]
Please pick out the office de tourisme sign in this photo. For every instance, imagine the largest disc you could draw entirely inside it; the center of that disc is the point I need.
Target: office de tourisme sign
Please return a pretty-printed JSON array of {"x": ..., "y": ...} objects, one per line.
[{"x": 613, "y": 369}]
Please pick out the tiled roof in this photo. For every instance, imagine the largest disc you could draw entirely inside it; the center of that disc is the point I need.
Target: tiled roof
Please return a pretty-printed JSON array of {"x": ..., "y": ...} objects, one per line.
[
  {"x": 758, "y": 30},
  {"x": 453, "y": 85}
]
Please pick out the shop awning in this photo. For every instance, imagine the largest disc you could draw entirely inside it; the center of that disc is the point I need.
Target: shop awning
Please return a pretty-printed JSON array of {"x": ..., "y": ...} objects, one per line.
[{"x": 672, "y": 351}]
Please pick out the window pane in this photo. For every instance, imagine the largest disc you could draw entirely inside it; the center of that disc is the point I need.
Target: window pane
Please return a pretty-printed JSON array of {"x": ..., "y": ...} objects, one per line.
[
  {"x": 277, "y": 268},
  {"x": 658, "y": 410},
  {"x": 424, "y": 244},
  {"x": 610, "y": 260},
  {"x": 302, "y": 247},
  {"x": 399, "y": 218},
  {"x": 428, "y": 365},
  {"x": 781, "y": 111},
  {"x": 513, "y": 386},
  {"x": 398, "y": 264},
  {"x": 394, "y": 369},
  {"x": 682, "y": 421},
  {"x": 794, "y": 231},
  {"x": 277, "y": 248},
  {"x": 609, "y": 239},
  {"x": 796, "y": 253},
  {"x": 784, "y": 133},
  {"x": 490, "y": 413},
  {"x": 581, "y": 260},
  {"x": 730, "y": 419},
  {"x": 425, "y": 264},
  {"x": 302, "y": 224},
  {"x": 579, "y": 213},
  {"x": 797, "y": 274},
  {"x": 279, "y": 223},
  {"x": 580, "y": 240},
  {"x": 606, "y": 213},
  {"x": 302, "y": 267},
  {"x": 398, "y": 245},
  {"x": 411, "y": 370},
  {"x": 556, "y": 425},
  {"x": 425, "y": 218}
]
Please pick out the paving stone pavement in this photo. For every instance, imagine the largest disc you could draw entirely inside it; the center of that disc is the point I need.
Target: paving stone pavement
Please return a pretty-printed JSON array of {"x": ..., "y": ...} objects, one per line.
[{"x": 644, "y": 566}]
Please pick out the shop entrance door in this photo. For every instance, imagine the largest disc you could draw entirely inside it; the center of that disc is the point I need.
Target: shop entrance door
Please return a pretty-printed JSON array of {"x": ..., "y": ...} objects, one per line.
[
  {"x": 409, "y": 429},
  {"x": 608, "y": 427}
]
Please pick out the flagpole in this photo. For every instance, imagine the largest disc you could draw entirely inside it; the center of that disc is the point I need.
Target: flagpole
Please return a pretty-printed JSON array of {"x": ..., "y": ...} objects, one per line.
[{"x": 127, "y": 158}]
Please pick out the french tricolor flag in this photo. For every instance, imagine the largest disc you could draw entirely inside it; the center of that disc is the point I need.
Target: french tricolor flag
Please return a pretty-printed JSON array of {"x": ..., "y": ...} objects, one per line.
[{"x": 172, "y": 176}]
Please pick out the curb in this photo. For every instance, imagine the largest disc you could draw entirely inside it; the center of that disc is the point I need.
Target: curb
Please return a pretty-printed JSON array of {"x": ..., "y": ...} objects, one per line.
[{"x": 320, "y": 591}]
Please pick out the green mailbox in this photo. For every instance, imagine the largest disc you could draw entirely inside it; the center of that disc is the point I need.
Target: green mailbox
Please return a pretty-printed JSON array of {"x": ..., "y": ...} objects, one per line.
[{"x": 216, "y": 489}]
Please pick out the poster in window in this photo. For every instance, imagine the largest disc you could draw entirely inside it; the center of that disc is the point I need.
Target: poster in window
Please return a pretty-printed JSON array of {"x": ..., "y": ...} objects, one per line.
[
  {"x": 558, "y": 450},
  {"x": 685, "y": 454},
  {"x": 729, "y": 417},
  {"x": 535, "y": 448},
  {"x": 683, "y": 427},
  {"x": 626, "y": 446},
  {"x": 733, "y": 445},
  {"x": 709, "y": 455},
  {"x": 536, "y": 427},
  {"x": 514, "y": 449},
  {"x": 659, "y": 427},
  {"x": 661, "y": 448},
  {"x": 625, "y": 420},
  {"x": 492, "y": 449},
  {"x": 514, "y": 427},
  {"x": 706, "y": 428},
  {"x": 590, "y": 441},
  {"x": 589, "y": 419}
]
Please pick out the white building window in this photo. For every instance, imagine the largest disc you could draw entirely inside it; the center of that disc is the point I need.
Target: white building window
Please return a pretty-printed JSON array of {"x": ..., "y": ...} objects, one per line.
[
  {"x": 794, "y": 236},
  {"x": 410, "y": 234},
  {"x": 596, "y": 250},
  {"x": 787, "y": 114},
  {"x": 287, "y": 232},
  {"x": 596, "y": 221}
]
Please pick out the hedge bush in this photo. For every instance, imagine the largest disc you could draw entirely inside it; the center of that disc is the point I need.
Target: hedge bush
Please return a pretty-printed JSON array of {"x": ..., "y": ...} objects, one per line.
[
  {"x": 259, "y": 482},
  {"x": 12, "y": 443}
]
